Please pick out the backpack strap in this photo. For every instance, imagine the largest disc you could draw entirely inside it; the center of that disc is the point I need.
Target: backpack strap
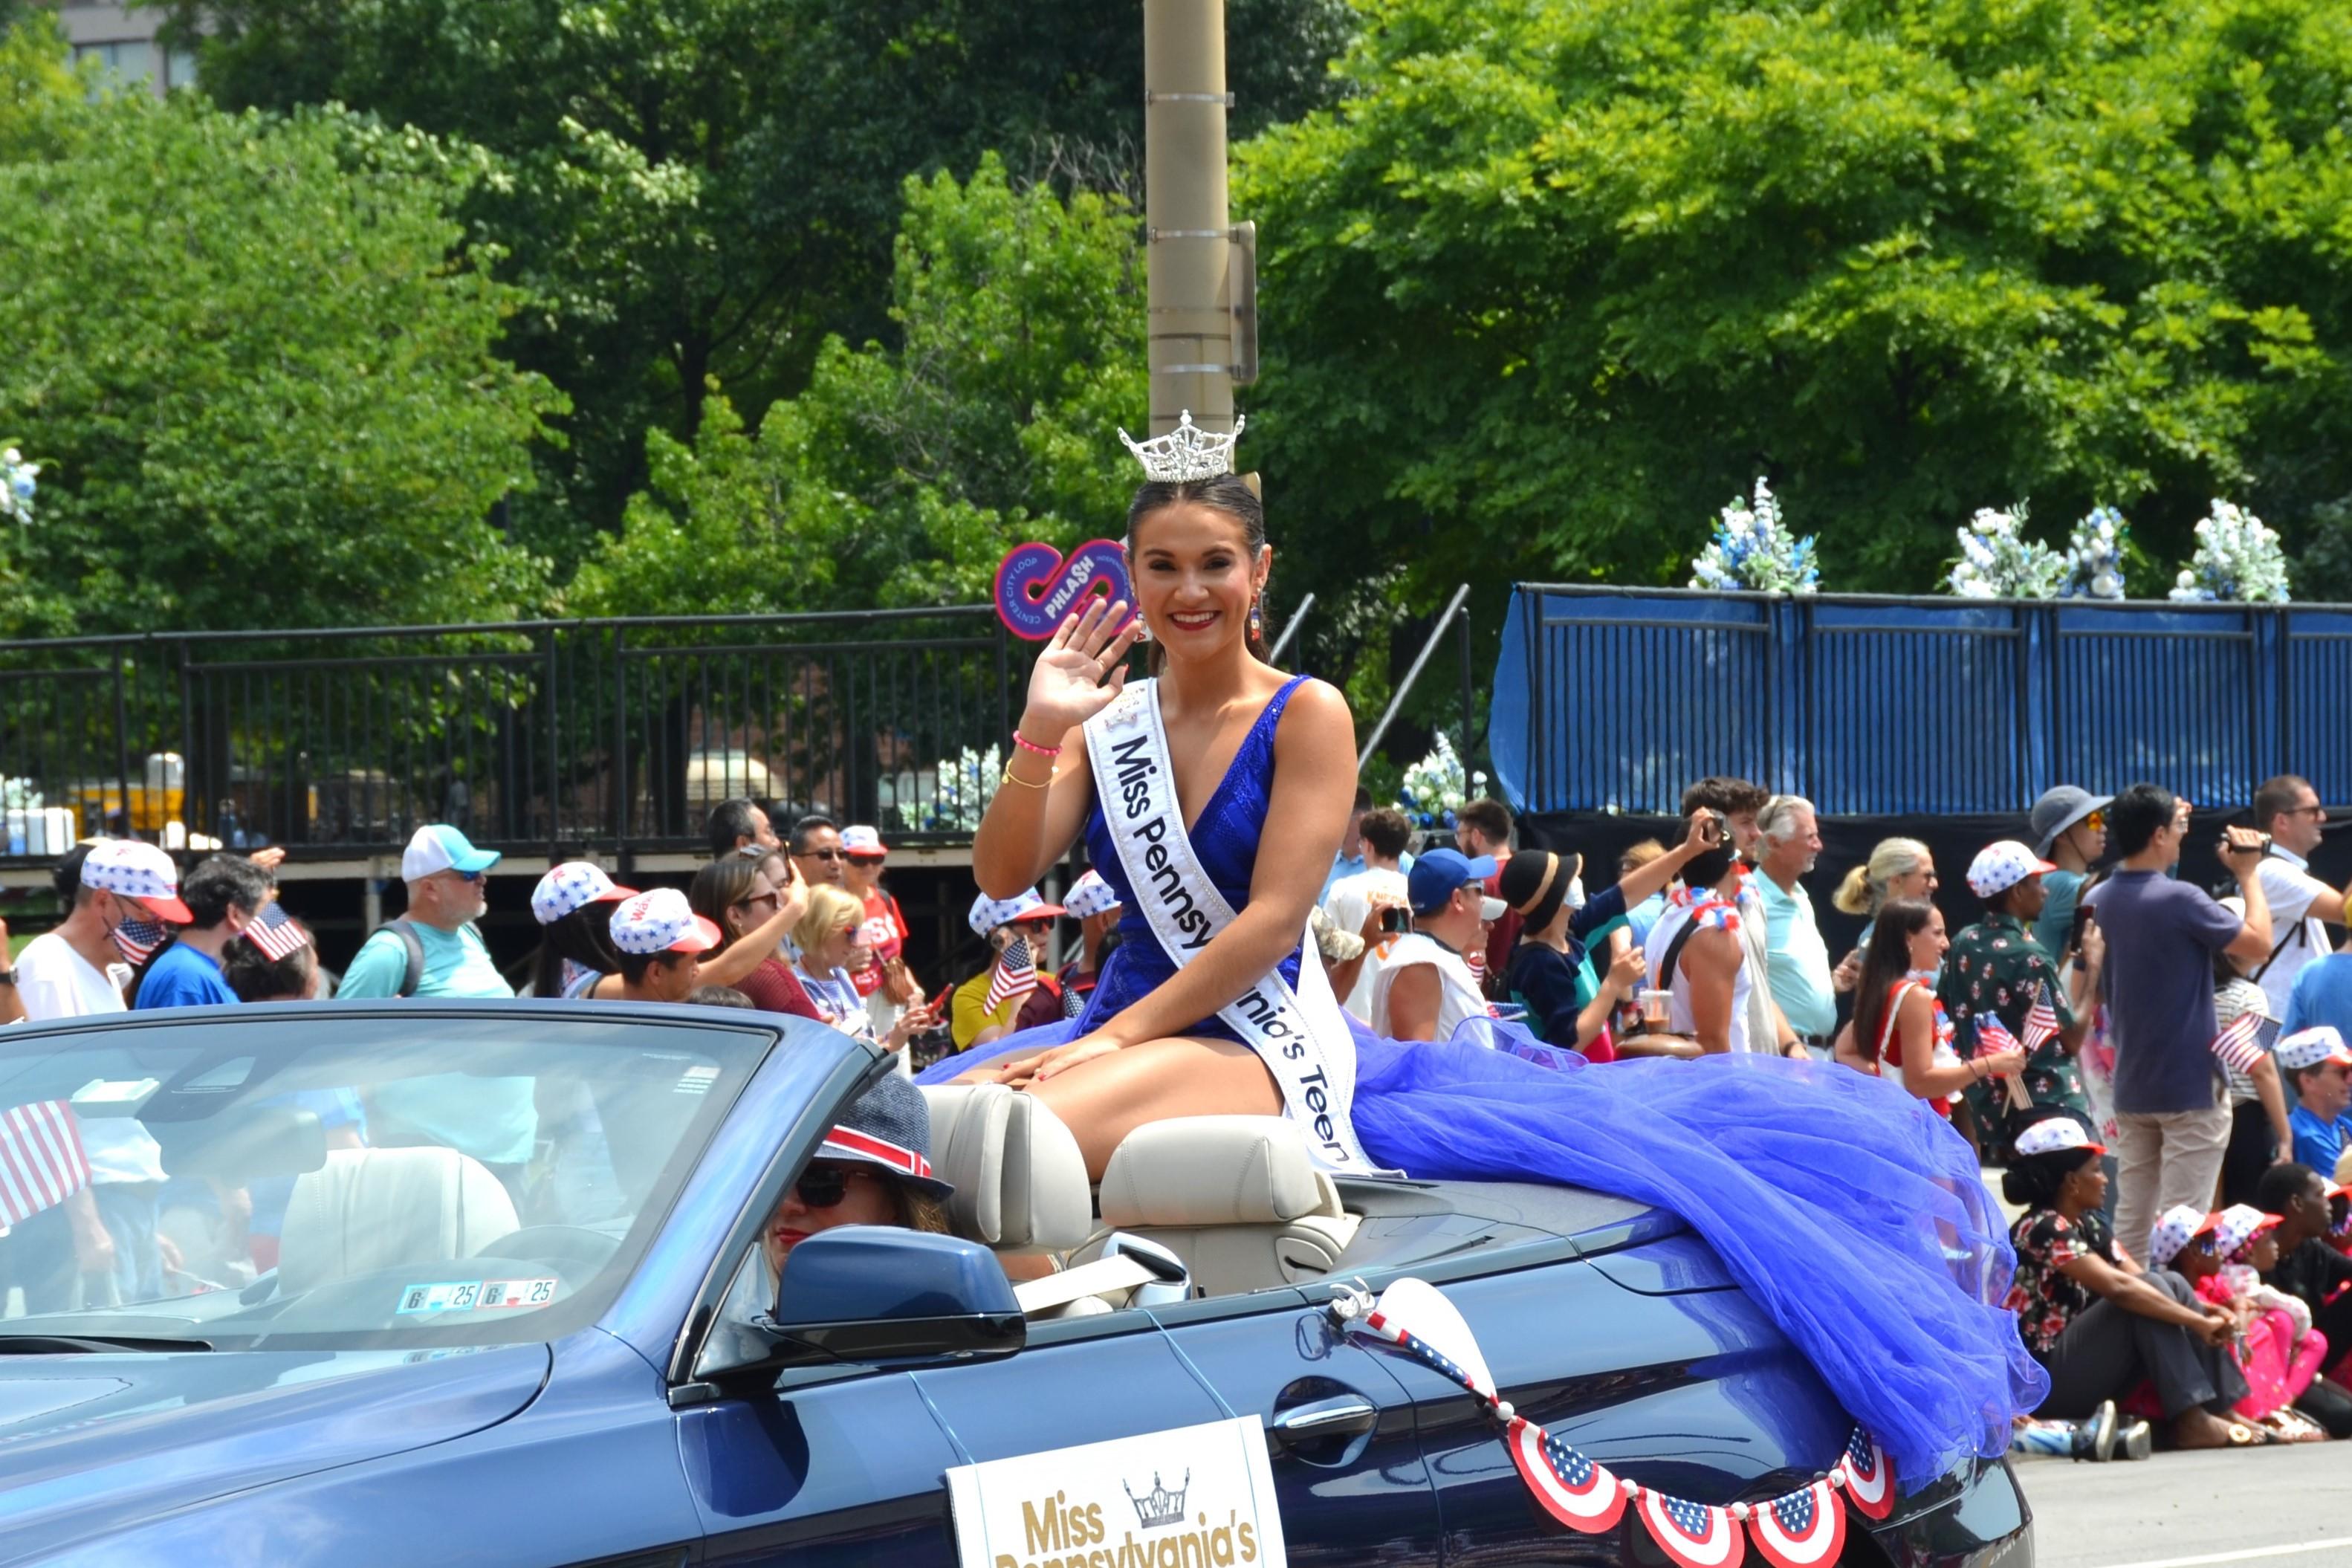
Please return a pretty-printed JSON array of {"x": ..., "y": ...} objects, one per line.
[
  {"x": 412, "y": 945},
  {"x": 1675, "y": 949},
  {"x": 2295, "y": 932}
]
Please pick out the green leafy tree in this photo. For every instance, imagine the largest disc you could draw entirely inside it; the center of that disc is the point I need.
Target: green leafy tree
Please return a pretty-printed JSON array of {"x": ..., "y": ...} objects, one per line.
[
  {"x": 256, "y": 364},
  {"x": 902, "y": 473},
  {"x": 703, "y": 189},
  {"x": 1555, "y": 281}
]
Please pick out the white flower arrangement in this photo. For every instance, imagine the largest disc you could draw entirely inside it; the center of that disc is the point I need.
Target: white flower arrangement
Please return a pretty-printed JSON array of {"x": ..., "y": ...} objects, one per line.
[
  {"x": 1752, "y": 549},
  {"x": 18, "y": 481},
  {"x": 966, "y": 784},
  {"x": 2238, "y": 559},
  {"x": 1434, "y": 789},
  {"x": 1997, "y": 561},
  {"x": 2094, "y": 557}
]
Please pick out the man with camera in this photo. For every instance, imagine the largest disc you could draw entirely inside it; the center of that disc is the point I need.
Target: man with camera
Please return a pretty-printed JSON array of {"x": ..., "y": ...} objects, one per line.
[
  {"x": 2301, "y": 906},
  {"x": 2172, "y": 1116}
]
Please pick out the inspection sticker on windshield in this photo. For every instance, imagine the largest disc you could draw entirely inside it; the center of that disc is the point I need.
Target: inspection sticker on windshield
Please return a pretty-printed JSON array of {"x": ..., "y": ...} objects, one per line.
[
  {"x": 477, "y": 1295},
  {"x": 1191, "y": 1494}
]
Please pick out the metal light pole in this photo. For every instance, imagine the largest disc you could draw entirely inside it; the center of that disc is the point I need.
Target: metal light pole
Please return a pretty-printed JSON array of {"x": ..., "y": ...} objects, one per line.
[{"x": 1200, "y": 268}]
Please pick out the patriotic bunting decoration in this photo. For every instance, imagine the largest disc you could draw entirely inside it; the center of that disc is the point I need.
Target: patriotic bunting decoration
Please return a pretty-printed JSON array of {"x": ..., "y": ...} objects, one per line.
[
  {"x": 1015, "y": 976},
  {"x": 1802, "y": 1529}
]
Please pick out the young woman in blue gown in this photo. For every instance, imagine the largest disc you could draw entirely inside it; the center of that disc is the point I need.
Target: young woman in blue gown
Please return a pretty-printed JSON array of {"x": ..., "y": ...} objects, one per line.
[{"x": 1856, "y": 1219}]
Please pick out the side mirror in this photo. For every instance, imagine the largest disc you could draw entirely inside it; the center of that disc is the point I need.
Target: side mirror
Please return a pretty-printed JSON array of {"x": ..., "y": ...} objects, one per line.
[{"x": 879, "y": 1294}]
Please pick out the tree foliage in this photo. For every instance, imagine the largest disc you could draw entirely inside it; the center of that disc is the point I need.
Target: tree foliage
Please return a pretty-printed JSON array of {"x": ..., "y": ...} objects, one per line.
[
  {"x": 705, "y": 189},
  {"x": 903, "y": 471},
  {"x": 257, "y": 367},
  {"x": 1555, "y": 280}
]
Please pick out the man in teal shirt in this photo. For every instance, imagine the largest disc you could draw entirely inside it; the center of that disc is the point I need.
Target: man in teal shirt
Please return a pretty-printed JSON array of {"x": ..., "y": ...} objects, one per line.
[
  {"x": 491, "y": 1118},
  {"x": 1790, "y": 845}
]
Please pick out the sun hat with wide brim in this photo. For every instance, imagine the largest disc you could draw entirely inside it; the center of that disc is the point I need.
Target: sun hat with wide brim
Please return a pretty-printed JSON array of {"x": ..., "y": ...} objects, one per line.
[{"x": 2058, "y": 809}]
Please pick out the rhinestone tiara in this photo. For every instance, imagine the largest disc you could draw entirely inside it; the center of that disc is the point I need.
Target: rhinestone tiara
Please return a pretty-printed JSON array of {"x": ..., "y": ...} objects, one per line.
[{"x": 1187, "y": 452}]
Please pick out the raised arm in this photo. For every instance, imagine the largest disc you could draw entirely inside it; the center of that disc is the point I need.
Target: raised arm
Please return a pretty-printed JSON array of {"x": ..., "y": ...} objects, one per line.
[
  {"x": 1644, "y": 881},
  {"x": 1040, "y": 802}
]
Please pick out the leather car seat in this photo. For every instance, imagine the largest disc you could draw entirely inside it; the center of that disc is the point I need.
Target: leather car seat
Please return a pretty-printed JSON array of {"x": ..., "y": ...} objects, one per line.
[
  {"x": 367, "y": 1209},
  {"x": 1020, "y": 1182},
  {"x": 1235, "y": 1197}
]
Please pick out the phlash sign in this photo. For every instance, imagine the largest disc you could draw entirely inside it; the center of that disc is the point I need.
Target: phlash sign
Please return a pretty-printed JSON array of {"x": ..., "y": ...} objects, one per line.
[
  {"x": 1036, "y": 584},
  {"x": 1191, "y": 1495}
]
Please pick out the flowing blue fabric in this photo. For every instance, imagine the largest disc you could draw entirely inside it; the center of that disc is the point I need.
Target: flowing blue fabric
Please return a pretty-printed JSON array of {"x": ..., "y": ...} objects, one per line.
[{"x": 1856, "y": 1216}]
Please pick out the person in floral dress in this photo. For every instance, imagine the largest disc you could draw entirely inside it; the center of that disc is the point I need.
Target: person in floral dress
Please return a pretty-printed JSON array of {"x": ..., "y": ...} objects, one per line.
[{"x": 1998, "y": 967}]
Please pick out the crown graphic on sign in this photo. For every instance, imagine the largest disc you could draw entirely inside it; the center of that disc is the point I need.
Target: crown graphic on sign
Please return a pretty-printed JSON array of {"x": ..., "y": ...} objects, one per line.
[
  {"x": 1187, "y": 452},
  {"x": 1159, "y": 1506}
]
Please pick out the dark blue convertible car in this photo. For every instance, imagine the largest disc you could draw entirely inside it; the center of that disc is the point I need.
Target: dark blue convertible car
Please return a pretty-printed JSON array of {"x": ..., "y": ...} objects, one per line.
[{"x": 377, "y": 1346}]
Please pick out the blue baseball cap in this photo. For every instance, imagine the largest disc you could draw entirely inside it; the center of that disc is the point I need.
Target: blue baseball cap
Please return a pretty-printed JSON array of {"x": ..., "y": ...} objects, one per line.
[
  {"x": 1438, "y": 872},
  {"x": 441, "y": 847}
]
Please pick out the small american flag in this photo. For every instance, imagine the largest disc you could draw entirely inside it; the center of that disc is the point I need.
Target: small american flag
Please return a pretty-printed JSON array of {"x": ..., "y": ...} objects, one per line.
[
  {"x": 1016, "y": 976},
  {"x": 1993, "y": 1037},
  {"x": 278, "y": 934},
  {"x": 41, "y": 1160},
  {"x": 2042, "y": 1023},
  {"x": 2240, "y": 1045},
  {"x": 138, "y": 940}
]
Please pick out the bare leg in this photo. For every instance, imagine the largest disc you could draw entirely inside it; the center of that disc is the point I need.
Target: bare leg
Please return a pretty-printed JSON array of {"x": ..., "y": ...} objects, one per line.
[{"x": 1103, "y": 1100}]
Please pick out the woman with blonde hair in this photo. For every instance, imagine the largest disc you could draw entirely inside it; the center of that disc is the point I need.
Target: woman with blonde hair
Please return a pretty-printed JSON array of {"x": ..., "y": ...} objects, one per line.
[
  {"x": 1897, "y": 869},
  {"x": 827, "y": 932}
]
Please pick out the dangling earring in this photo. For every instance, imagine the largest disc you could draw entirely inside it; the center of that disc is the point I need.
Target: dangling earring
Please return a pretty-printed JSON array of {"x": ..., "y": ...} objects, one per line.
[
  {"x": 1257, "y": 622},
  {"x": 1142, "y": 628}
]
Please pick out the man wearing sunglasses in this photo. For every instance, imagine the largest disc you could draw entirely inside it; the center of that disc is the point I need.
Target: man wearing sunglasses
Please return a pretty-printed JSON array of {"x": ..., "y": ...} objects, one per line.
[
  {"x": 2301, "y": 906},
  {"x": 816, "y": 850}
]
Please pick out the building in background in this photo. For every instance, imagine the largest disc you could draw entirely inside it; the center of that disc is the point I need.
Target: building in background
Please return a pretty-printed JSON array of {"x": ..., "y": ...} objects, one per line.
[{"x": 122, "y": 39}]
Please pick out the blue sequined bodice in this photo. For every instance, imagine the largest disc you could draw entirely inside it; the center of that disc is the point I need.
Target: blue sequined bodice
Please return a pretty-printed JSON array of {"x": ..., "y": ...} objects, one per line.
[{"x": 1225, "y": 838}]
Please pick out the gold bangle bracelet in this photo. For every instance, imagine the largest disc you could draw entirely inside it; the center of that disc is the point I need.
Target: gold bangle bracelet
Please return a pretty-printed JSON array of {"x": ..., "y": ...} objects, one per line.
[{"x": 1024, "y": 784}]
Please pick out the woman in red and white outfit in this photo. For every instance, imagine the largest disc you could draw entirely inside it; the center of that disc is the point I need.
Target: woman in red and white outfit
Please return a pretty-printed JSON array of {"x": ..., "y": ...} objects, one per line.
[
  {"x": 1898, "y": 1023},
  {"x": 882, "y": 980}
]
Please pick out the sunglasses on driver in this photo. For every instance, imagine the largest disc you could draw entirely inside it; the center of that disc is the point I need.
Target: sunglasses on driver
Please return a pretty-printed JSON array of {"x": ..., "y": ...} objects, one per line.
[{"x": 822, "y": 1186}]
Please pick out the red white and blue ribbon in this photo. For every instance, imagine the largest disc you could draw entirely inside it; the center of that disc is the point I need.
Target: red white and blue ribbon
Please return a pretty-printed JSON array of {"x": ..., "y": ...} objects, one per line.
[{"x": 1802, "y": 1529}]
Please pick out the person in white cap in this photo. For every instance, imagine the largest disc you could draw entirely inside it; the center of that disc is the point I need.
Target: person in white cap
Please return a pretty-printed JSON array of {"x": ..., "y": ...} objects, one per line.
[
  {"x": 660, "y": 940},
  {"x": 974, "y": 1018},
  {"x": 1998, "y": 969},
  {"x": 576, "y": 957},
  {"x": 2319, "y": 1070},
  {"x": 433, "y": 949},
  {"x": 1094, "y": 904},
  {"x": 882, "y": 978}
]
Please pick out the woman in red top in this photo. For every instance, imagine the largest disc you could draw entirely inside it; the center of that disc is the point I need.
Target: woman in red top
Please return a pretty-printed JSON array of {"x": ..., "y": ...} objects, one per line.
[
  {"x": 740, "y": 894},
  {"x": 1898, "y": 1023}
]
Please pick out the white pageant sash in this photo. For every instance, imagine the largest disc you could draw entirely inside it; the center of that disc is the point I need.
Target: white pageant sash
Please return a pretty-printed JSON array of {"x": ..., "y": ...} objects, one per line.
[{"x": 1301, "y": 1035}]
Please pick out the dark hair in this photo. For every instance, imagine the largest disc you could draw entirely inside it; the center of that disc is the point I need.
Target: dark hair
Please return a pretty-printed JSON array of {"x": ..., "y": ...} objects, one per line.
[
  {"x": 1363, "y": 798},
  {"x": 220, "y": 883},
  {"x": 1724, "y": 794},
  {"x": 719, "y": 997},
  {"x": 722, "y": 885},
  {"x": 2277, "y": 795},
  {"x": 67, "y": 878},
  {"x": 1708, "y": 867},
  {"x": 1884, "y": 962},
  {"x": 1489, "y": 817},
  {"x": 2134, "y": 816},
  {"x": 2033, "y": 1180},
  {"x": 585, "y": 937},
  {"x": 808, "y": 825},
  {"x": 732, "y": 820},
  {"x": 634, "y": 965},
  {"x": 2281, "y": 1186},
  {"x": 1386, "y": 831},
  {"x": 256, "y": 976},
  {"x": 1227, "y": 493}
]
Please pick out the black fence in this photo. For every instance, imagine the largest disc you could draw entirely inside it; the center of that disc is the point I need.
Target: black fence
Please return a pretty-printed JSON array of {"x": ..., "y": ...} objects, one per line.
[{"x": 611, "y": 734}]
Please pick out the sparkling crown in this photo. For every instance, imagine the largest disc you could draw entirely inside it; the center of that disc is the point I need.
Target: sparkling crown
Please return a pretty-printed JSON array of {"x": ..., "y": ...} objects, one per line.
[
  {"x": 1187, "y": 452},
  {"x": 1159, "y": 1506}
]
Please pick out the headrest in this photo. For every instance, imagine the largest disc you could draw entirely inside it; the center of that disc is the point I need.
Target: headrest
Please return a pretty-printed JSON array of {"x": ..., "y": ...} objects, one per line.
[
  {"x": 367, "y": 1209},
  {"x": 1210, "y": 1170},
  {"x": 1020, "y": 1182}
]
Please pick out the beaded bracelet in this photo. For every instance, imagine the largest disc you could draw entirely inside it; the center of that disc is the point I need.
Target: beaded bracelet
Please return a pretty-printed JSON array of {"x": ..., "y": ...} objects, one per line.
[{"x": 1027, "y": 744}]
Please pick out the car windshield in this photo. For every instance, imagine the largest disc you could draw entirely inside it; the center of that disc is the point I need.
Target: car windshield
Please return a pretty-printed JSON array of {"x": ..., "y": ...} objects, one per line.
[{"x": 315, "y": 1178}]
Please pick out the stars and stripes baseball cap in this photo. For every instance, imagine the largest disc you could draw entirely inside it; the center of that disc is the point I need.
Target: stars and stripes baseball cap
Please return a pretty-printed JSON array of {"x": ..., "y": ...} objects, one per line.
[
  {"x": 2181, "y": 1224},
  {"x": 988, "y": 913},
  {"x": 863, "y": 842},
  {"x": 2310, "y": 1048},
  {"x": 2002, "y": 864},
  {"x": 130, "y": 869},
  {"x": 890, "y": 1126},
  {"x": 2240, "y": 1224},
  {"x": 437, "y": 847},
  {"x": 574, "y": 885},
  {"x": 1090, "y": 896},
  {"x": 2055, "y": 1135},
  {"x": 661, "y": 921}
]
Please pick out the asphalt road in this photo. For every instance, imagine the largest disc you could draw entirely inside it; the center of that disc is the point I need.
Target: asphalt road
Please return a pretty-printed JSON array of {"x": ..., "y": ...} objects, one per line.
[{"x": 2287, "y": 1506}]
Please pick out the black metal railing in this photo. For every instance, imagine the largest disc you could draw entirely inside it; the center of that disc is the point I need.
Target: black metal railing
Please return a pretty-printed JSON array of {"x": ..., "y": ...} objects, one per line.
[{"x": 618, "y": 734}]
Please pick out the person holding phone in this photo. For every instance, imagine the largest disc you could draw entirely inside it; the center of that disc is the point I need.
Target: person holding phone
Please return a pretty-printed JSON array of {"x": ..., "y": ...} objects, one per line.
[{"x": 1352, "y": 900}]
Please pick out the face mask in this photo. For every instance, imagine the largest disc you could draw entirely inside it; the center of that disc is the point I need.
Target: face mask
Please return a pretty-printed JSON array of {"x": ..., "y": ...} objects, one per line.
[
  {"x": 1574, "y": 897},
  {"x": 135, "y": 938}
]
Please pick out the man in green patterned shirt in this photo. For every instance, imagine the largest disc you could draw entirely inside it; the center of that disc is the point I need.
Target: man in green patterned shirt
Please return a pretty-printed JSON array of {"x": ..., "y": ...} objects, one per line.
[{"x": 1996, "y": 966}]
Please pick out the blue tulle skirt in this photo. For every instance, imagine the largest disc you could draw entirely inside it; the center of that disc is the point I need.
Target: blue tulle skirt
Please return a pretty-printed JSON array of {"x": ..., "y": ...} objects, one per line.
[{"x": 1853, "y": 1215}]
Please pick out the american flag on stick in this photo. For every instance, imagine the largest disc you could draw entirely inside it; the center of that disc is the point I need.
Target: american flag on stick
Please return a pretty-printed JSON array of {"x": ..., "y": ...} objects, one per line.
[
  {"x": 1016, "y": 976},
  {"x": 41, "y": 1159},
  {"x": 2042, "y": 1023},
  {"x": 1993, "y": 1037},
  {"x": 278, "y": 934},
  {"x": 2240, "y": 1045}
]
